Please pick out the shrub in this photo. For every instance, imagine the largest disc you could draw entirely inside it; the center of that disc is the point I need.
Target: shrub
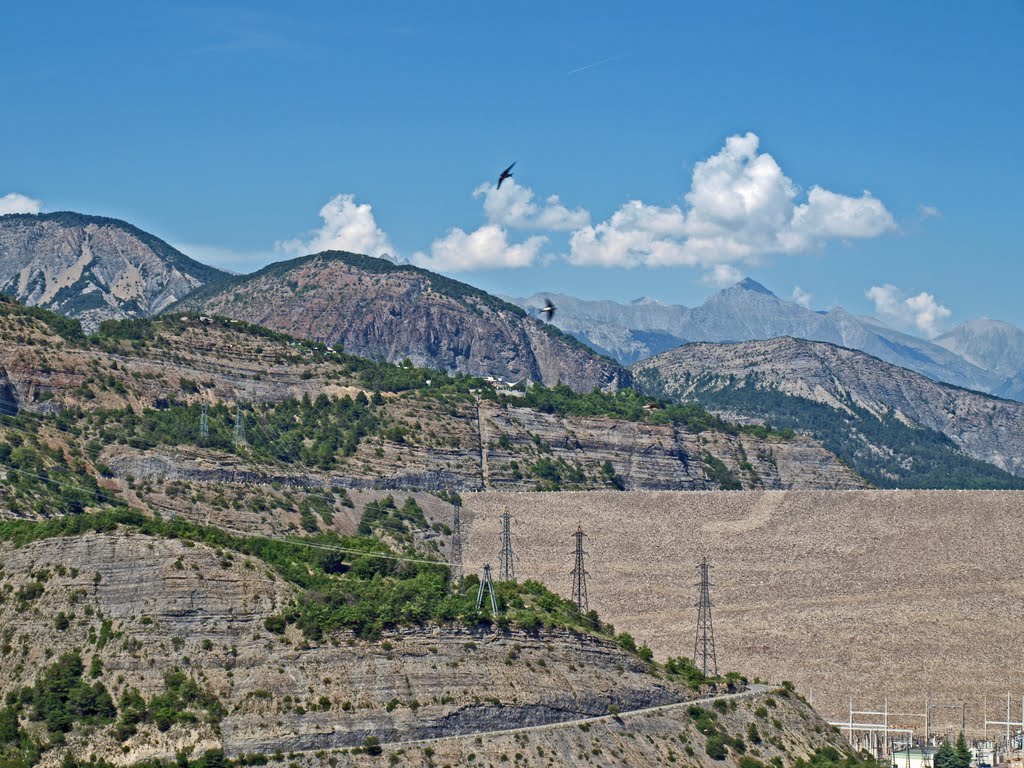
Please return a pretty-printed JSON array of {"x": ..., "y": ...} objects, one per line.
[{"x": 715, "y": 747}]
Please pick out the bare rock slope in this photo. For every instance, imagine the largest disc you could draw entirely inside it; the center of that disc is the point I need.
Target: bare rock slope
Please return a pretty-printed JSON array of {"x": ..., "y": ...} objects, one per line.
[
  {"x": 384, "y": 311},
  {"x": 93, "y": 268}
]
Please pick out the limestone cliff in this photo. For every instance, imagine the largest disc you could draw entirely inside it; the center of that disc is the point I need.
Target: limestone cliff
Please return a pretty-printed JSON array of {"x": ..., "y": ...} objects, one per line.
[{"x": 93, "y": 268}]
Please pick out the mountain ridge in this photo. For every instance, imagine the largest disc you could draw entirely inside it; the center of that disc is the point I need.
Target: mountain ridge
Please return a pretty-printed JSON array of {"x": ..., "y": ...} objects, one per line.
[
  {"x": 93, "y": 268},
  {"x": 386, "y": 311},
  {"x": 747, "y": 311},
  {"x": 770, "y": 379}
]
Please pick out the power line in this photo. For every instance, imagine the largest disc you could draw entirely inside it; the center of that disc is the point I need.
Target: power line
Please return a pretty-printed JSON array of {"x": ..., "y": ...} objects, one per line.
[
  {"x": 579, "y": 573},
  {"x": 704, "y": 656}
]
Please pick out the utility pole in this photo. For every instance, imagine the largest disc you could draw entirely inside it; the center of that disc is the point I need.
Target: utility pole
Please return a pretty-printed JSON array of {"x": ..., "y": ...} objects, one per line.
[
  {"x": 204, "y": 422},
  {"x": 506, "y": 557},
  {"x": 486, "y": 583},
  {"x": 704, "y": 645},
  {"x": 455, "y": 565},
  {"x": 240, "y": 441},
  {"x": 579, "y": 573}
]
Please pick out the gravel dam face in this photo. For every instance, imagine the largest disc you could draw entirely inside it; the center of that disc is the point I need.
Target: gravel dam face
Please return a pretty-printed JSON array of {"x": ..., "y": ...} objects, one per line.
[{"x": 870, "y": 594}]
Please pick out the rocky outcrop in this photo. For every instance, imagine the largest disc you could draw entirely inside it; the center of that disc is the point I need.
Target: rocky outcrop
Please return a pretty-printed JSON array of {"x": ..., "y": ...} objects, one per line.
[
  {"x": 8, "y": 395},
  {"x": 377, "y": 309},
  {"x": 984, "y": 427},
  {"x": 647, "y": 456},
  {"x": 93, "y": 268}
]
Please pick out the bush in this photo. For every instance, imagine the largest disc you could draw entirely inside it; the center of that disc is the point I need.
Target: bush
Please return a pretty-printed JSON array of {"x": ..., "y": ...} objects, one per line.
[{"x": 715, "y": 747}]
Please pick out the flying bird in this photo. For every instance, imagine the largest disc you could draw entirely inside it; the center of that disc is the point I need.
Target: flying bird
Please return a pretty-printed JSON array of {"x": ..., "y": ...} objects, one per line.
[
  {"x": 506, "y": 174},
  {"x": 548, "y": 310}
]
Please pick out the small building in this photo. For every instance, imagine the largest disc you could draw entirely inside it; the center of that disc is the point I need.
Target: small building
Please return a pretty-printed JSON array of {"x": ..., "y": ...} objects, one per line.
[{"x": 915, "y": 757}]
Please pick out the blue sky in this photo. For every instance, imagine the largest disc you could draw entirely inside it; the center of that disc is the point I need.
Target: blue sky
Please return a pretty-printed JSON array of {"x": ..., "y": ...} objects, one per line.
[{"x": 225, "y": 129}]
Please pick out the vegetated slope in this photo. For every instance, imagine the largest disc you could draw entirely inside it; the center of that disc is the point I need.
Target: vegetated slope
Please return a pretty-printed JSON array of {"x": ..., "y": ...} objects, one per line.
[
  {"x": 893, "y": 426},
  {"x": 384, "y": 311},
  {"x": 144, "y": 639},
  {"x": 93, "y": 268},
  {"x": 748, "y": 311},
  {"x": 870, "y": 594},
  {"x": 167, "y": 644},
  {"x": 117, "y": 416}
]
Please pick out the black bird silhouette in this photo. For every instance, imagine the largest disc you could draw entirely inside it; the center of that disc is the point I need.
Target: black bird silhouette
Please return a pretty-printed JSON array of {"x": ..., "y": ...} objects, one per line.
[
  {"x": 548, "y": 310},
  {"x": 506, "y": 174}
]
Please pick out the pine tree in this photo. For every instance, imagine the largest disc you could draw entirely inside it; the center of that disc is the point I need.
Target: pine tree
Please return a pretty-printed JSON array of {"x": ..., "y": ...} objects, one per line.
[
  {"x": 946, "y": 757},
  {"x": 963, "y": 752}
]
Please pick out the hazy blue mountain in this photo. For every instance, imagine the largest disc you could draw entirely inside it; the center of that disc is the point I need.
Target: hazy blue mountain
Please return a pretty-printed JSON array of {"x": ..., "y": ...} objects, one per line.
[
  {"x": 748, "y": 311},
  {"x": 990, "y": 344}
]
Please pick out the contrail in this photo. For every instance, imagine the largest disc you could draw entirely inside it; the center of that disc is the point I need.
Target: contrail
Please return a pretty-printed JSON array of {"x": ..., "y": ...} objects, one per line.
[{"x": 591, "y": 66}]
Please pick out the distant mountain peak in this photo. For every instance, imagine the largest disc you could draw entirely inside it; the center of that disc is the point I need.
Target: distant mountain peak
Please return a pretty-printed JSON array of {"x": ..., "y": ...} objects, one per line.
[
  {"x": 747, "y": 284},
  {"x": 646, "y": 300}
]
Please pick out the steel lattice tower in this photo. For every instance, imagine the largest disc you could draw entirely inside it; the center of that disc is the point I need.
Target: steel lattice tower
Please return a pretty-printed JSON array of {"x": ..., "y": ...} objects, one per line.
[
  {"x": 579, "y": 574},
  {"x": 204, "y": 422},
  {"x": 704, "y": 645},
  {"x": 455, "y": 564},
  {"x": 506, "y": 557},
  {"x": 240, "y": 441},
  {"x": 486, "y": 583}
]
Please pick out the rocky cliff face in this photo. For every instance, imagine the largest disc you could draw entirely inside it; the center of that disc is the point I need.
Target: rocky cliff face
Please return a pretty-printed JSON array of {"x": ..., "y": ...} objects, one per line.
[
  {"x": 388, "y": 312},
  {"x": 144, "y": 605},
  {"x": 93, "y": 268},
  {"x": 423, "y": 440},
  {"x": 984, "y": 427}
]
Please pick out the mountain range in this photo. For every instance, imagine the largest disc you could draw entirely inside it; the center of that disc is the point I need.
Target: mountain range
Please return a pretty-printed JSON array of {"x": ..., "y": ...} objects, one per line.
[
  {"x": 983, "y": 355},
  {"x": 94, "y": 269}
]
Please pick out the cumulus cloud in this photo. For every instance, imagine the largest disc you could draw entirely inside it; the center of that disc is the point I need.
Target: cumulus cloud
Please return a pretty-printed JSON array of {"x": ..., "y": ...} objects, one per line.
[
  {"x": 15, "y": 203},
  {"x": 928, "y": 212},
  {"x": 723, "y": 275},
  {"x": 485, "y": 248},
  {"x": 740, "y": 207},
  {"x": 801, "y": 297},
  {"x": 347, "y": 226},
  {"x": 513, "y": 206},
  {"x": 921, "y": 312}
]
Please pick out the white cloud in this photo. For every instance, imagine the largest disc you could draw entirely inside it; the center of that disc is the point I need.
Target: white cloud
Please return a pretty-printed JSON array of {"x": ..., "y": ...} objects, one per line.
[
  {"x": 921, "y": 312},
  {"x": 740, "y": 206},
  {"x": 15, "y": 203},
  {"x": 723, "y": 275},
  {"x": 928, "y": 212},
  {"x": 513, "y": 206},
  {"x": 635, "y": 234},
  {"x": 347, "y": 226},
  {"x": 826, "y": 216},
  {"x": 485, "y": 248},
  {"x": 801, "y": 297}
]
